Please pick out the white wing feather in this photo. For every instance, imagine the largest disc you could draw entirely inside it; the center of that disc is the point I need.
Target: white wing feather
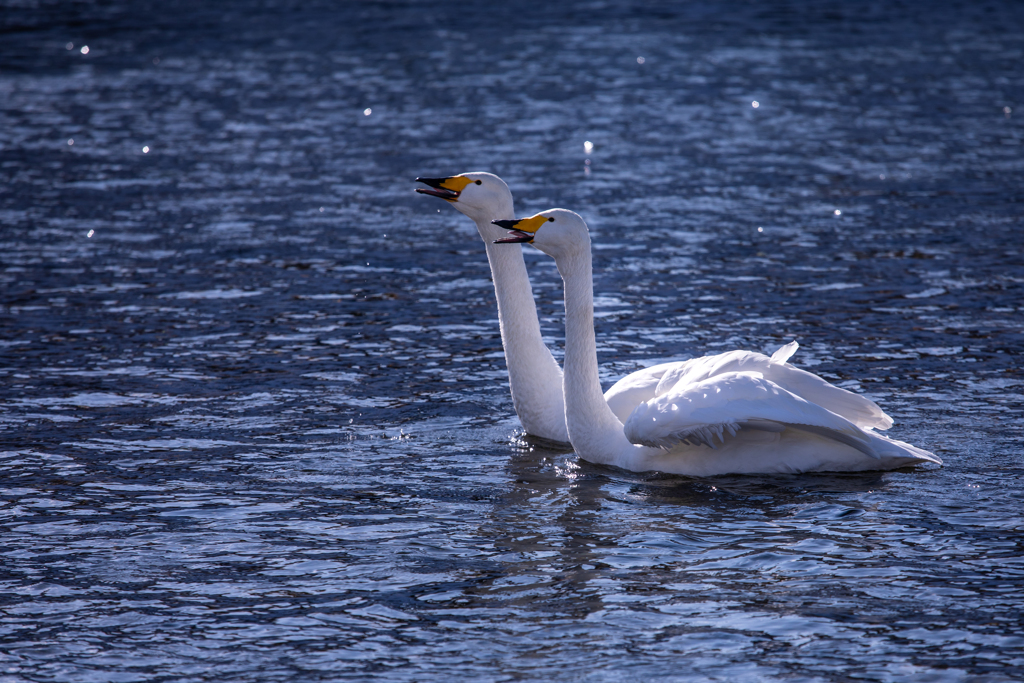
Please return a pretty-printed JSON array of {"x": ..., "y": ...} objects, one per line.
[
  {"x": 701, "y": 411},
  {"x": 638, "y": 387},
  {"x": 859, "y": 410}
]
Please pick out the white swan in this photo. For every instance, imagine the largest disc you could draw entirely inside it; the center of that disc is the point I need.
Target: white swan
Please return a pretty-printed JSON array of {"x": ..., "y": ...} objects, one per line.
[
  {"x": 734, "y": 413},
  {"x": 535, "y": 380}
]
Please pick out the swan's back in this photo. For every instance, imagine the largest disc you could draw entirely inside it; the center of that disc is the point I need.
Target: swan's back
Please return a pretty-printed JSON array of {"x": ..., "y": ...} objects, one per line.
[
  {"x": 639, "y": 387},
  {"x": 742, "y": 422},
  {"x": 659, "y": 380}
]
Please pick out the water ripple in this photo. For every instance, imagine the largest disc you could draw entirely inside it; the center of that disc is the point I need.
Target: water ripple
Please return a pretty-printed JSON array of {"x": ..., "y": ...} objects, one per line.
[{"x": 255, "y": 421}]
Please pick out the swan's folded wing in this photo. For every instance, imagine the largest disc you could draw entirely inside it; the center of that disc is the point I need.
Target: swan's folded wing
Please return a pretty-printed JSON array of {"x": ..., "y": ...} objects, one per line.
[
  {"x": 858, "y": 409},
  {"x": 637, "y": 387},
  {"x": 708, "y": 411}
]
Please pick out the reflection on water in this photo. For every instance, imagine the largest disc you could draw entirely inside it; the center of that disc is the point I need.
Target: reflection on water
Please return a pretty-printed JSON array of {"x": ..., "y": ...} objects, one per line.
[{"x": 254, "y": 417}]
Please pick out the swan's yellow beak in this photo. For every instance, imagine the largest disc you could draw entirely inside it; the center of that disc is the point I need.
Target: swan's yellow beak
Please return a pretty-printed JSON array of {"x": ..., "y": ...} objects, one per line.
[
  {"x": 448, "y": 189},
  {"x": 522, "y": 229}
]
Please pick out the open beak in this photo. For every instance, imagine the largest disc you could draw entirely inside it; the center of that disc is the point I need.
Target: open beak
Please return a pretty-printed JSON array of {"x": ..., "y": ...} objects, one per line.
[
  {"x": 447, "y": 189},
  {"x": 516, "y": 236},
  {"x": 520, "y": 230}
]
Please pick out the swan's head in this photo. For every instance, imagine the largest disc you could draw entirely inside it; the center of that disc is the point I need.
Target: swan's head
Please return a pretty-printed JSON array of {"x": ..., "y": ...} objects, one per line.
[
  {"x": 481, "y": 196},
  {"x": 555, "y": 232}
]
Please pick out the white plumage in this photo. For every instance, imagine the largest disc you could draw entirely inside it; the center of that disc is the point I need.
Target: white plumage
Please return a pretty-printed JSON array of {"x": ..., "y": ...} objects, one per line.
[
  {"x": 658, "y": 380},
  {"x": 535, "y": 380},
  {"x": 735, "y": 412}
]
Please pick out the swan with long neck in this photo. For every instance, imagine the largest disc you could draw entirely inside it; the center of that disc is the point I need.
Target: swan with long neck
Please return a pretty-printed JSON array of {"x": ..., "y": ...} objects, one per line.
[
  {"x": 734, "y": 413},
  {"x": 535, "y": 380}
]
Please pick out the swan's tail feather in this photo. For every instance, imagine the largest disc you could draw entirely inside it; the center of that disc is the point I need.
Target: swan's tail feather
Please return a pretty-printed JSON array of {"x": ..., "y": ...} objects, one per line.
[
  {"x": 785, "y": 352},
  {"x": 891, "y": 448}
]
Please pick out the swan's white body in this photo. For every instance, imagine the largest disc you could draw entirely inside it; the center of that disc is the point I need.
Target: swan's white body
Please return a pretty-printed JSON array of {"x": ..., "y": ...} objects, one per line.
[{"x": 734, "y": 413}]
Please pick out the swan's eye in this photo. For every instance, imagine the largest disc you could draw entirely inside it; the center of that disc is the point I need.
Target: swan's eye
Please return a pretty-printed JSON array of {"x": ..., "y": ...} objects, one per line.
[
  {"x": 479, "y": 182},
  {"x": 551, "y": 220}
]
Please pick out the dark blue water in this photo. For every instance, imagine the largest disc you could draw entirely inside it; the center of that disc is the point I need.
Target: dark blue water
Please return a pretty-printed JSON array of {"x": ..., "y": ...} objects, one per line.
[{"x": 254, "y": 416}]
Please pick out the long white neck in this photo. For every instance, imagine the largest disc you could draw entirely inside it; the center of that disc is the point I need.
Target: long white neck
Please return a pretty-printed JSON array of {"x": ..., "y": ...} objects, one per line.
[
  {"x": 535, "y": 379},
  {"x": 594, "y": 431}
]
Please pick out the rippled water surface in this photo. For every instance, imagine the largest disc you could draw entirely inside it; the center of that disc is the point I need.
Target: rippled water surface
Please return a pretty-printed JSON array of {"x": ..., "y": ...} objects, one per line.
[{"x": 254, "y": 416}]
